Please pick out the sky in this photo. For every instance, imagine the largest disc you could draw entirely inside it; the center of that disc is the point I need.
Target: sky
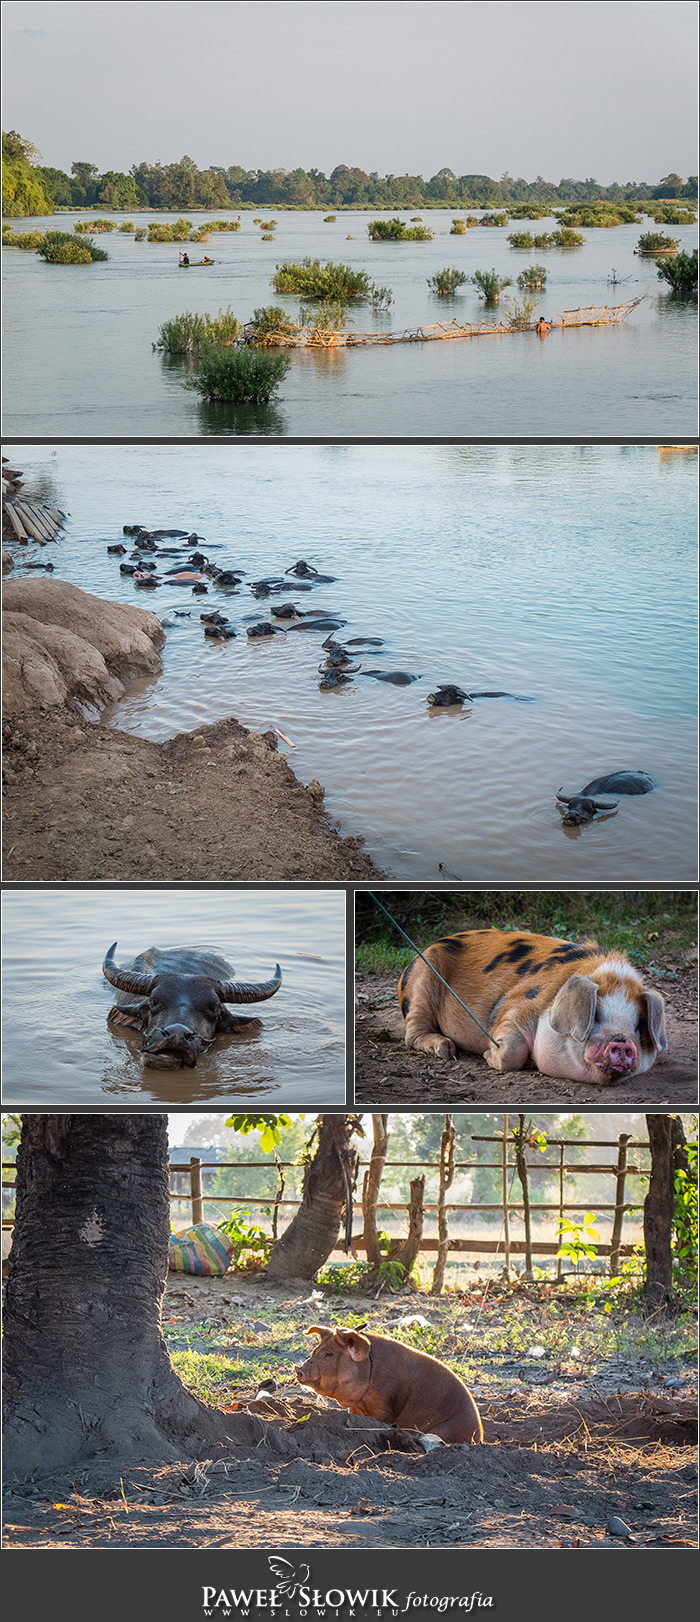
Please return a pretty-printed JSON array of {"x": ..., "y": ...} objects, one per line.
[{"x": 601, "y": 89}]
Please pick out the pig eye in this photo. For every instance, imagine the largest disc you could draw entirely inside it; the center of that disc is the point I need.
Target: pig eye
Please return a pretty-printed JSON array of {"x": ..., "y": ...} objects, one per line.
[{"x": 329, "y": 1354}]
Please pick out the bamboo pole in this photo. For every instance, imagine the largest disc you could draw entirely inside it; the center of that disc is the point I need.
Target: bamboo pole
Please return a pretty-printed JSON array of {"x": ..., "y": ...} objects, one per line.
[
  {"x": 521, "y": 1165},
  {"x": 196, "y": 1190},
  {"x": 620, "y": 1175},
  {"x": 504, "y": 1192},
  {"x": 447, "y": 1171}
]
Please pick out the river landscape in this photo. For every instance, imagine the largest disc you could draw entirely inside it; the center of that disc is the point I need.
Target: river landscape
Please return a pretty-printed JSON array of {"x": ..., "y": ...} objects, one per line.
[
  {"x": 562, "y": 577},
  {"x": 78, "y": 339}
]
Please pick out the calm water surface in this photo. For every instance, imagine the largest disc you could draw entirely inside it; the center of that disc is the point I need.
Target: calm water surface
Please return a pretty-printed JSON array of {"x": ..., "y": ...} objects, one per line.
[
  {"x": 564, "y": 574},
  {"x": 59, "y": 1050},
  {"x": 79, "y": 362}
]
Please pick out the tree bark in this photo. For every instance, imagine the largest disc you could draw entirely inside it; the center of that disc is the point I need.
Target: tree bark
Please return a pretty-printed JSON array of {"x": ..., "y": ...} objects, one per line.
[
  {"x": 87, "y": 1371},
  {"x": 658, "y": 1212},
  {"x": 520, "y": 1136},
  {"x": 327, "y": 1197}
]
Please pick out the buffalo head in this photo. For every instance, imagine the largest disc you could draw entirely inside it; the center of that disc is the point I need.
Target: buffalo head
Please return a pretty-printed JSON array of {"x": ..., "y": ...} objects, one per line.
[
  {"x": 181, "y": 996},
  {"x": 582, "y": 808}
]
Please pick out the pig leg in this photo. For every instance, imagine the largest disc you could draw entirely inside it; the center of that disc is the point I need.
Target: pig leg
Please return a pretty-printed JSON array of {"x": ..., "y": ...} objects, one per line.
[
  {"x": 422, "y": 1035},
  {"x": 513, "y": 1049}
]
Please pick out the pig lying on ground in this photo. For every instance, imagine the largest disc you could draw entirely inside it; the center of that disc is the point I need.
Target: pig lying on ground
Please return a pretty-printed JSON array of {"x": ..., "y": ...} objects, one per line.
[
  {"x": 580, "y": 1012},
  {"x": 370, "y": 1374}
]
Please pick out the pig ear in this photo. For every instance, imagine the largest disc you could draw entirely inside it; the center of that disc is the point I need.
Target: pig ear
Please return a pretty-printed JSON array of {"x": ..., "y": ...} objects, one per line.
[
  {"x": 573, "y": 1011},
  {"x": 319, "y": 1329},
  {"x": 656, "y": 1020},
  {"x": 358, "y": 1346}
]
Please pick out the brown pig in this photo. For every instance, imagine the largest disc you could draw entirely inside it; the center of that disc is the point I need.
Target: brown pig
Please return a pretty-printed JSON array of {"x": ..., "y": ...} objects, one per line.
[{"x": 370, "y": 1374}]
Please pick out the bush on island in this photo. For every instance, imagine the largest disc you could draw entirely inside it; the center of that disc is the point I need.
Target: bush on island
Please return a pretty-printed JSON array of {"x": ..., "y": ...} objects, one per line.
[
  {"x": 445, "y": 282},
  {"x": 61, "y": 248},
  {"x": 490, "y": 285},
  {"x": 394, "y": 230},
  {"x": 680, "y": 273},
  {"x": 238, "y": 375}
]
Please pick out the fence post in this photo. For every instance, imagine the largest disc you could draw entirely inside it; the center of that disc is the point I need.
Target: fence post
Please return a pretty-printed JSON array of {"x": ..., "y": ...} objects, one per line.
[
  {"x": 447, "y": 1171},
  {"x": 278, "y": 1196},
  {"x": 196, "y": 1190},
  {"x": 620, "y": 1175},
  {"x": 521, "y": 1165},
  {"x": 504, "y": 1196},
  {"x": 561, "y": 1205}
]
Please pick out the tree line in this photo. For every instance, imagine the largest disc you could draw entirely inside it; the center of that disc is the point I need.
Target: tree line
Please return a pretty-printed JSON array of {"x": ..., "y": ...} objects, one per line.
[{"x": 31, "y": 187}]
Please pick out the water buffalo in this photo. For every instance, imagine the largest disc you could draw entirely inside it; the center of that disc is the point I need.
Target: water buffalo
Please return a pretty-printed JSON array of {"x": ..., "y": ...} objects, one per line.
[
  {"x": 181, "y": 992},
  {"x": 582, "y": 807}
]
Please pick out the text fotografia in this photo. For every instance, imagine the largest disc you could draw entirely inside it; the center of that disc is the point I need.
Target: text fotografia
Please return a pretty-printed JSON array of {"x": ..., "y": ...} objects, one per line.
[{"x": 223, "y": 1601}]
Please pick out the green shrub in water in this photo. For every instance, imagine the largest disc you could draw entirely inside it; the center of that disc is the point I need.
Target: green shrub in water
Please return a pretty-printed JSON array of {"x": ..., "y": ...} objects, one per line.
[
  {"x": 60, "y": 248},
  {"x": 221, "y": 225},
  {"x": 520, "y": 315},
  {"x": 394, "y": 230},
  {"x": 309, "y": 279},
  {"x": 670, "y": 214},
  {"x": 458, "y": 228},
  {"x": 445, "y": 282},
  {"x": 532, "y": 276},
  {"x": 329, "y": 219},
  {"x": 162, "y": 231},
  {"x": 521, "y": 239},
  {"x": 186, "y": 334},
  {"x": 238, "y": 375},
  {"x": 270, "y": 322},
  {"x": 139, "y": 235},
  {"x": 21, "y": 239},
  {"x": 332, "y": 317},
  {"x": 563, "y": 239},
  {"x": 494, "y": 219},
  {"x": 594, "y": 215},
  {"x": 653, "y": 242},
  {"x": 681, "y": 273},
  {"x": 95, "y": 225},
  {"x": 126, "y": 225},
  {"x": 490, "y": 285},
  {"x": 527, "y": 211}
]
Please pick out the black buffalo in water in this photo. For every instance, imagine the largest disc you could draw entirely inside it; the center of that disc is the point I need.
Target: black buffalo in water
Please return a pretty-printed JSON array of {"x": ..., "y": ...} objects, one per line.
[
  {"x": 582, "y": 807},
  {"x": 181, "y": 995}
]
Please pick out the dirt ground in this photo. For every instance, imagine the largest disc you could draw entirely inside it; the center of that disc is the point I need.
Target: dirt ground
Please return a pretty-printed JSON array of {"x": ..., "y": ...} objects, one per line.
[
  {"x": 388, "y": 1073},
  {"x": 603, "y": 1459},
  {"x": 85, "y": 801}
]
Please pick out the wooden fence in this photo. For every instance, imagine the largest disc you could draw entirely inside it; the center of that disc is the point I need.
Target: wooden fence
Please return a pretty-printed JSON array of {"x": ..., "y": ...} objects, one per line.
[{"x": 619, "y": 1170}]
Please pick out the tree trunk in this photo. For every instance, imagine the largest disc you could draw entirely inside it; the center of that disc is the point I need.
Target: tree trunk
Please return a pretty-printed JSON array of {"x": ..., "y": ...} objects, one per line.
[
  {"x": 406, "y": 1250},
  {"x": 86, "y": 1368},
  {"x": 520, "y": 1136},
  {"x": 658, "y": 1212},
  {"x": 327, "y": 1196},
  {"x": 371, "y": 1187}
]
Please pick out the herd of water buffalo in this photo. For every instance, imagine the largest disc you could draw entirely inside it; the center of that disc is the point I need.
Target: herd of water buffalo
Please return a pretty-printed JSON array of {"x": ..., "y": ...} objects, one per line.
[{"x": 337, "y": 669}]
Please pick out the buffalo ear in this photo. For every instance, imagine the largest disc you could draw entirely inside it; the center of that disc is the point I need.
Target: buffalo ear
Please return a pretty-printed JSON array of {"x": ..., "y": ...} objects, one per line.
[
  {"x": 573, "y": 1011},
  {"x": 130, "y": 1013},
  {"x": 358, "y": 1346},
  {"x": 656, "y": 1019}
]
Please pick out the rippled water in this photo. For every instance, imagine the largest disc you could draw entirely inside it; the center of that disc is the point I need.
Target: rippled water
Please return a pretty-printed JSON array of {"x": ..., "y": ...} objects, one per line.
[
  {"x": 59, "y": 1050},
  {"x": 566, "y": 574},
  {"x": 79, "y": 363}
]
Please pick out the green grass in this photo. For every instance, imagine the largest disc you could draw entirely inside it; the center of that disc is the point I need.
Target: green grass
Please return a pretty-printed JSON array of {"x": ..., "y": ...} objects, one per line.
[{"x": 649, "y": 927}]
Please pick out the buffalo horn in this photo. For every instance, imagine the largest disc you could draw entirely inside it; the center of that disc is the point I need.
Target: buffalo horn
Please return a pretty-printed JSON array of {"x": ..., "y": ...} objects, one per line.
[
  {"x": 605, "y": 805},
  {"x": 238, "y": 991},
  {"x": 126, "y": 979},
  {"x": 564, "y": 797}
]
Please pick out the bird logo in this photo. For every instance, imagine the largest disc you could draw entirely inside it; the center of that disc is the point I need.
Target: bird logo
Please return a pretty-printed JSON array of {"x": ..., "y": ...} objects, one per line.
[{"x": 288, "y": 1581}]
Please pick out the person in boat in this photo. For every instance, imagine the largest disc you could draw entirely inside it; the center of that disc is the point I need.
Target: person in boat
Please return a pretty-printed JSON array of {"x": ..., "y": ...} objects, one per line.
[
  {"x": 543, "y": 327},
  {"x": 184, "y": 259}
]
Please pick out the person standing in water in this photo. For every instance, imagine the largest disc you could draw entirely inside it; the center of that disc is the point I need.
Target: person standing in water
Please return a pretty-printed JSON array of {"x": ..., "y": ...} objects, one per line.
[{"x": 543, "y": 327}]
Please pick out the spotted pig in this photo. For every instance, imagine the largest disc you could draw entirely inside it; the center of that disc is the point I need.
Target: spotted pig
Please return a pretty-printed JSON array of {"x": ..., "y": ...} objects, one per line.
[{"x": 579, "y": 1012}]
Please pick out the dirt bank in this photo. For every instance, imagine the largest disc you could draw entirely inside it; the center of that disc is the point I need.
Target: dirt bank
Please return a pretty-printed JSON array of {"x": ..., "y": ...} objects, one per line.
[
  {"x": 387, "y": 1072},
  {"x": 84, "y": 801}
]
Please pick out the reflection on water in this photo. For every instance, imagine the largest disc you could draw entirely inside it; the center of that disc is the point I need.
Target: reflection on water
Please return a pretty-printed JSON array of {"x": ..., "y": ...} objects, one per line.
[
  {"x": 59, "y": 1050},
  {"x": 633, "y": 379},
  {"x": 566, "y": 575}
]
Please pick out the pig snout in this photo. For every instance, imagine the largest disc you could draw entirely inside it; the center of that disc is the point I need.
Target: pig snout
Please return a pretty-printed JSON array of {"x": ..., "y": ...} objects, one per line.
[
  {"x": 621, "y": 1053},
  {"x": 617, "y": 1054}
]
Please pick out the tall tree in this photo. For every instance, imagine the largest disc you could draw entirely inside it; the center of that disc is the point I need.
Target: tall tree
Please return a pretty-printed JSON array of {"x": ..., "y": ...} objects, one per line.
[
  {"x": 86, "y": 1367},
  {"x": 668, "y": 1155}
]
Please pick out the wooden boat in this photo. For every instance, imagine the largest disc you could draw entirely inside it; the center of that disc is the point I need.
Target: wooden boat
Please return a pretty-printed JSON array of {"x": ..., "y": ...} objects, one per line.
[{"x": 195, "y": 264}]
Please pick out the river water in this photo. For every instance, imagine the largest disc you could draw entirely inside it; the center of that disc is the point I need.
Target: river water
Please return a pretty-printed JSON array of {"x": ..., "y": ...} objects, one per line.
[
  {"x": 563, "y": 574},
  {"x": 79, "y": 361},
  {"x": 58, "y": 1050}
]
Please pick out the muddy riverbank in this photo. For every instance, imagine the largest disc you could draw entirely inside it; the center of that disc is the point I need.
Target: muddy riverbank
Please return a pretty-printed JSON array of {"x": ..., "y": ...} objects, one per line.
[{"x": 84, "y": 801}]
